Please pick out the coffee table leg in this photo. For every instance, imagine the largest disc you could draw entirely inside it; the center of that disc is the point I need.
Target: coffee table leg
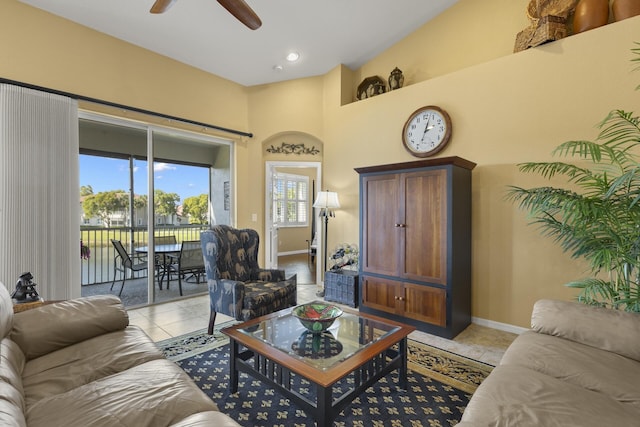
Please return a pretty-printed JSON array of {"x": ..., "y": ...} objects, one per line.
[
  {"x": 324, "y": 409},
  {"x": 403, "y": 367},
  {"x": 233, "y": 372}
]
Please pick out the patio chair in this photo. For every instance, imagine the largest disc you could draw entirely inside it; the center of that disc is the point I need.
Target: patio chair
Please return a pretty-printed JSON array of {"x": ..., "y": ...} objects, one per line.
[
  {"x": 123, "y": 262},
  {"x": 238, "y": 287},
  {"x": 189, "y": 260},
  {"x": 161, "y": 262},
  {"x": 165, "y": 240}
]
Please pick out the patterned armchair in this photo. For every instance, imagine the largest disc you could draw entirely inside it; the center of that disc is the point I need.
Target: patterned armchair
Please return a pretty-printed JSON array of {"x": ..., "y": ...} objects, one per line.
[{"x": 238, "y": 287}]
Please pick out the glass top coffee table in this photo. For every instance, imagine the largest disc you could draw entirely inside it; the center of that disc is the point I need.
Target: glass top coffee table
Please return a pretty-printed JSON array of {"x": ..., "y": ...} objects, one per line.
[{"x": 359, "y": 347}]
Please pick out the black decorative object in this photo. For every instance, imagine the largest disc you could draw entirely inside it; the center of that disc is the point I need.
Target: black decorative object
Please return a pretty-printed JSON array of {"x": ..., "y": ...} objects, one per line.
[
  {"x": 371, "y": 86},
  {"x": 396, "y": 79},
  {"x": 298, "y": 149},
  {"x": 25, "y": 289}
]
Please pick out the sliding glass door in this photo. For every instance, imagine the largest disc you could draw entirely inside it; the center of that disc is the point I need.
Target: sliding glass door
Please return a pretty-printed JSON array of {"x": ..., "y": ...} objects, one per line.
[{"x": 146, "y": 210}]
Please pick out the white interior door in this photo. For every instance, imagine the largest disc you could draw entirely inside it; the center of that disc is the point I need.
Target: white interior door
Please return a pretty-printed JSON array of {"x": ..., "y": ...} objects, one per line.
[{"x": 271, "y": 229}]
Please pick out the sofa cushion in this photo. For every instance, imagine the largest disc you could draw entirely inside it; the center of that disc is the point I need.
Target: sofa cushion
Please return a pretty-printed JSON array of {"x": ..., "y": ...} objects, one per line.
[
  {"x": 157, "y": 393},
  {"x": 38, "y": 331},
  {"x": 601, "y": 371},
  {"x": 517, "y": 396},
  {"x": 603, "y": 328},
  {"x": 87, "y": 361}
]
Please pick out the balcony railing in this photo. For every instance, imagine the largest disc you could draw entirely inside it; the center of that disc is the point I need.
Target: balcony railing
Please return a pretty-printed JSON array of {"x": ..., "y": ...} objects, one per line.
[{"x": 98, "y": 268}]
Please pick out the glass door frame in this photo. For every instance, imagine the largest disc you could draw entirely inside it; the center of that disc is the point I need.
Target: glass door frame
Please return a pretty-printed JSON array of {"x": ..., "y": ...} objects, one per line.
[{"x": 151, "y": 129}]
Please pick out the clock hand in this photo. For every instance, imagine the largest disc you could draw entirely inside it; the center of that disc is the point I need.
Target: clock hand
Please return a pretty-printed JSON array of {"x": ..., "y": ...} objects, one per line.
[{"x": 426, "y": 129}]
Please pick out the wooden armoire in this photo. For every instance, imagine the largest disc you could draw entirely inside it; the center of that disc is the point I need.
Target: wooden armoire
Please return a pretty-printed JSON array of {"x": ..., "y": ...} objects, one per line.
[{"x": 415, "y": 243}]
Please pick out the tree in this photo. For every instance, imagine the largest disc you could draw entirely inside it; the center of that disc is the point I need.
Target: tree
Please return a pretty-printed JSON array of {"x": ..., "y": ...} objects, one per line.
[
  {"x": 86, "y": 190},
  {"x": 197, "y": 207},
  {"x": 140, "y": 202},
  {"x": 105, "y": 204},
  {"x": 165, "y": 204}
]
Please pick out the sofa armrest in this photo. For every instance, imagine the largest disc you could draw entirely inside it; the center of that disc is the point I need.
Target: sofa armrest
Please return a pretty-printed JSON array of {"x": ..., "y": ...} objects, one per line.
[
  {"x": 55, "y": 326},
  {"x": 603, "y": 328}
]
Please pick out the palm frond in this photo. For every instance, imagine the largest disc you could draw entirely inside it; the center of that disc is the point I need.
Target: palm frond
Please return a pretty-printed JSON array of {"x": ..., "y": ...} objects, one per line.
[
  {"x": 599, "y": 218},
  {"x": 620, "y": 130}
]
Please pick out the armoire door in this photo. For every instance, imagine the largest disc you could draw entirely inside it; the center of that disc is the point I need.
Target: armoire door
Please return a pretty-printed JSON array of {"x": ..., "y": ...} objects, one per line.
[
  {"x": 380, "y": 238},
  {"x": 423, "y": 242}
]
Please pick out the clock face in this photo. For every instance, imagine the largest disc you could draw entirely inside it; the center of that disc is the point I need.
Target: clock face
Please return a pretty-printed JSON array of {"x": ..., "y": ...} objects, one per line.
[{"x": 427, "y": 131}]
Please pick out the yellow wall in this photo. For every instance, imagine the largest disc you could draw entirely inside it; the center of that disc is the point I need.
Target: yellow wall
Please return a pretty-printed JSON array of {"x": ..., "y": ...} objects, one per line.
[
  {"x": 513, "y": 109},
  {"x": 468, "y": 33},
  {"x": 506, "y": 108}
]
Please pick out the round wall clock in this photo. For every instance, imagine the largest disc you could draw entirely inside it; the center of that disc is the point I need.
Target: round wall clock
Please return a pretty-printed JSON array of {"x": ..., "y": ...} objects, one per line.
[{"x": 427, "y": 131}]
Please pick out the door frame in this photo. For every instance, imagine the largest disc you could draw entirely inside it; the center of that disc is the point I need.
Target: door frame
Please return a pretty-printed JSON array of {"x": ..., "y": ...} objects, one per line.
[{"x": 270, "y": 169}]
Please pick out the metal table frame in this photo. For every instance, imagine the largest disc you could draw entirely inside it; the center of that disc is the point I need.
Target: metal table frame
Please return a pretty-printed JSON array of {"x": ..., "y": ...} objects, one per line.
[{"x": 274, "y": 367}]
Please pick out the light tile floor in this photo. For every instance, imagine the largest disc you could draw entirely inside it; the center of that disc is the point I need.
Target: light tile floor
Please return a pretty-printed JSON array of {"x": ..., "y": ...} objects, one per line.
[{"x": 163, "y": 321}]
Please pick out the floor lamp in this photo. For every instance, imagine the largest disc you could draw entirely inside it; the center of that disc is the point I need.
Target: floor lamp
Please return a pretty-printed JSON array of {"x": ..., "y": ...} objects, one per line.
[{"x": 326, "y": 201}]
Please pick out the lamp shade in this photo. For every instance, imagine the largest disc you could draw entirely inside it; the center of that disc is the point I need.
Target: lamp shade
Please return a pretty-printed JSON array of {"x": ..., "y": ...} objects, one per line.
[{"x": 327, "y": 200}]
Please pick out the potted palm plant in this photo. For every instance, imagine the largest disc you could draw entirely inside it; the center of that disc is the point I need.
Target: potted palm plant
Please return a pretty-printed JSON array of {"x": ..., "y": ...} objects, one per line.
[{"x": 598, "y": 218}]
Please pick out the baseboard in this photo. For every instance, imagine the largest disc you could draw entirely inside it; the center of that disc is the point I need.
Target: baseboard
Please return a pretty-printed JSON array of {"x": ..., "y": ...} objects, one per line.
[{"x": 498, "y": 325}]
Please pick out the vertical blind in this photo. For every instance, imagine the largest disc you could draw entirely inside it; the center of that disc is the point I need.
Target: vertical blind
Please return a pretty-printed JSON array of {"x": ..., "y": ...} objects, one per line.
[{"x": 39, "y": 199}]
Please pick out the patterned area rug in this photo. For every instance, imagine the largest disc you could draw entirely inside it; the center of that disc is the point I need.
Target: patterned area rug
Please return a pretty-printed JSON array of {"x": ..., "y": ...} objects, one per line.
[{"x": 440, "y": 385}]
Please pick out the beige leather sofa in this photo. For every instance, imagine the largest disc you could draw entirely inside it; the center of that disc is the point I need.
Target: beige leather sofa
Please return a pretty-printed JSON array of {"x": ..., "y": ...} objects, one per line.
[
  {"x": 578, "y": 366},
  {"x": 79, "y": 363}
]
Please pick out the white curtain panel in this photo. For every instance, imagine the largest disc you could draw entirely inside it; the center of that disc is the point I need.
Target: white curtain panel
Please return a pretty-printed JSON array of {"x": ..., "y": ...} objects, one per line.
[{"x": 39, "y": 191}]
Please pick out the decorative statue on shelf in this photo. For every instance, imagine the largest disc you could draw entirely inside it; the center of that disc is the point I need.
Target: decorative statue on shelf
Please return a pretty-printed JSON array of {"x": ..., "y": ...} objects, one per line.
[
  {"x": 396, "y": 79},
  {"x": 25, "y": 289}
]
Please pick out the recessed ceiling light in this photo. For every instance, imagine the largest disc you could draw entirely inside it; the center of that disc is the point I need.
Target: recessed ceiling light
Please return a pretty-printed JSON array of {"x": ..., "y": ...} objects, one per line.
[
  {"x": 293, "y": 56},
  {"x": 278, "y": 68}
]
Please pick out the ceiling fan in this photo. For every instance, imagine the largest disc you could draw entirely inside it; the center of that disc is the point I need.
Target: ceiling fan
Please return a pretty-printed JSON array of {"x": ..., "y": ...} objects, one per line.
[{"x": 237, "y": 8}]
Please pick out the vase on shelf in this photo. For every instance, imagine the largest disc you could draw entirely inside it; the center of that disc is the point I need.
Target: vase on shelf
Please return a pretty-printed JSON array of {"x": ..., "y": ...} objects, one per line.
[
  {"x": 623, "y": 9},
  {"x": 590, "y": 14}
]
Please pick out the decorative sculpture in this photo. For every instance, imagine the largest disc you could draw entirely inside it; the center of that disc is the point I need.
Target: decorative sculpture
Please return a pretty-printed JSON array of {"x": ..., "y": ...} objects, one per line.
[
  {"x": 548, "y": 22},
  {"x": 396, "y": 79},
  {"x": 25, "y": 289},
  {"x": 370, "y": 86},
  {"x": 298, "y": 149}
]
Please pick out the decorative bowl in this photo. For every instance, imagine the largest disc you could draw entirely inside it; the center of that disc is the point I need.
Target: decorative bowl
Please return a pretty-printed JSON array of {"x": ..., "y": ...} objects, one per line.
[{"x": 317, "y": 317}]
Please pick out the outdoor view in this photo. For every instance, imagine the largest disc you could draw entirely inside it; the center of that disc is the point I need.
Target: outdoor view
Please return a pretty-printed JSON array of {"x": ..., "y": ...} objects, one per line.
[
  {"x": 180, "y": 202},
  {"x": 191, "y": 189}
]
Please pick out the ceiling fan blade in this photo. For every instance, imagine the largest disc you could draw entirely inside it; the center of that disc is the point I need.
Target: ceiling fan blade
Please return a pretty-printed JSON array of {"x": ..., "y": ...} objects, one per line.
[
  {"x": 242, "y": 12},
  {"x": 161, "y": 6}
]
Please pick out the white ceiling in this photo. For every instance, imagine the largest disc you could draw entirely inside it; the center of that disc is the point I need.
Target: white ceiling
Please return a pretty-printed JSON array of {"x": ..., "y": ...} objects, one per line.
[{"x": 203, "y": 34}]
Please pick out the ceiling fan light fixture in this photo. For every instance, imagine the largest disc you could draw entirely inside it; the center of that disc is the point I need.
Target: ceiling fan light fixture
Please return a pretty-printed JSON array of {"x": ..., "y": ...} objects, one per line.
[{"x": 293, "y": 56}]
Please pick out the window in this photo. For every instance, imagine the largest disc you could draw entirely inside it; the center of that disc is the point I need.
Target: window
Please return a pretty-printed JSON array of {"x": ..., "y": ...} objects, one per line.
[{"x": 291, "y": 200}]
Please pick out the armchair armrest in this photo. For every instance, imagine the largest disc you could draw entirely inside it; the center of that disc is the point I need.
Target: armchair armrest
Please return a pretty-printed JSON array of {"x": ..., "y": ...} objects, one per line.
[
  {"x": 269, "y": 275},
  {"x": 226, "y": 297},
  {"x": 603, "y": 328},
  {"x": 55, "y": 326}
]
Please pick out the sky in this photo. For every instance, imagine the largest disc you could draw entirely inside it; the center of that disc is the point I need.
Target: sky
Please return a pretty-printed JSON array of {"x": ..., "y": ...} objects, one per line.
[{"x": 106, "y": 174}]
